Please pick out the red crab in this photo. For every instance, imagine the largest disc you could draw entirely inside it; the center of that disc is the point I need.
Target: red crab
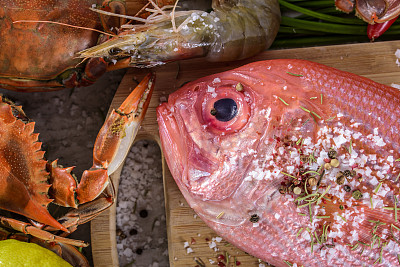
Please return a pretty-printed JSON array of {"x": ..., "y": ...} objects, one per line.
[
  {"x": 380, "y": 14},
  {"x": 28, "y": 183},
  {"x": 40, "y": 39},
  {"x": 37, "y": 56}
]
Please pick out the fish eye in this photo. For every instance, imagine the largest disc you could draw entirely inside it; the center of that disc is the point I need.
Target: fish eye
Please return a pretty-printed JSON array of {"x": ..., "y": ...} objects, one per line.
[
  {"x": 224, "y": 109},
  {"x": 114, "y": 51}
]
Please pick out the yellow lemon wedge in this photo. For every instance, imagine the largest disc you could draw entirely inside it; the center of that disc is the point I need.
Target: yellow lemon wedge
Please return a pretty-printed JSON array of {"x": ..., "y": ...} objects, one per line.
[{"x": 20, "y": 254}]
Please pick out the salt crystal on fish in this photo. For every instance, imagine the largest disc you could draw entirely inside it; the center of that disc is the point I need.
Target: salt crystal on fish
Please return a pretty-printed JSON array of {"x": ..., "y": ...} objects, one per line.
[
  {"x": 373, "y": 180},
  {"x": 339, "y": 140},
  {"x": 379, "y": 141}
]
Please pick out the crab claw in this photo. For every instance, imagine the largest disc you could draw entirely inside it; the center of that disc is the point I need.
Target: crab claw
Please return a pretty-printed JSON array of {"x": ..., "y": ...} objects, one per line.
[{"x": 115, "y": 139}]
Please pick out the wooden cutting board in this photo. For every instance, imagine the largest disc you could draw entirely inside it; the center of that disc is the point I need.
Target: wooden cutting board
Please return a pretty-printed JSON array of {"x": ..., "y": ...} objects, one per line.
[{"x": 376, "y": 61}]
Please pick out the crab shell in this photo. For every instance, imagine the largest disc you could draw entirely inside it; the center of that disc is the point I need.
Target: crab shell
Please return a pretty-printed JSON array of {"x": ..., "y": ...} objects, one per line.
[
  {"x": 38, "y": 56},
  {"x": 371, "y": 11},
  {"x": 23, "y": 176},
  {"x": 67, "y": 252}
]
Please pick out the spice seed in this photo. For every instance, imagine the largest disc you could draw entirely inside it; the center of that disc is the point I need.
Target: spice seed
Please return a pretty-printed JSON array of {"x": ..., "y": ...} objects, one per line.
[
  {"x": 357, "y": 194},
  {"x": 297, "y": 190},
  {"x": 347, "y": 173},
  {"x": 312, "y": 181},
  {"x": 254, "y": 218},
  {"x": 335, "y": 163},
  {"x": 347, "y": 188},
  {"x": 332, "y": 154},
  {"x": 327, "y": 166},
  {"x": 282, "y": 190},
  {"x": 239, "y": 87},
  {"x": 340, "y": 179}
]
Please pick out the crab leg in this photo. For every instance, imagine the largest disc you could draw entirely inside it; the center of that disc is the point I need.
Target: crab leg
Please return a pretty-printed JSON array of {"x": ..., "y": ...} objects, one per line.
[
  {"x": 86, "y": 211},
  {"x": 27, "y": 228},
  {"x": 111, "y": 147}
]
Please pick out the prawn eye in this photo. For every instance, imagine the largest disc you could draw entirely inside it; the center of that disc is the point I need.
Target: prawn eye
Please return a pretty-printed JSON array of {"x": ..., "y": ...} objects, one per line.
[
  {"x": 225, "y": 109},
  {"x": 114, "y": 51}
]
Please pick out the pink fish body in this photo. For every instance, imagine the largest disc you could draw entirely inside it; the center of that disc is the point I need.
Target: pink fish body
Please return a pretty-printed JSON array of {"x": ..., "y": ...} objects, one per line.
[{"x": 291, "y": 161}]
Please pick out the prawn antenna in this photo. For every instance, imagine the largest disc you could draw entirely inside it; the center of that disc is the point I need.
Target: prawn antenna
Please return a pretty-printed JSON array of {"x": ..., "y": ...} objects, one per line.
[{"x": 63, "y": 24}]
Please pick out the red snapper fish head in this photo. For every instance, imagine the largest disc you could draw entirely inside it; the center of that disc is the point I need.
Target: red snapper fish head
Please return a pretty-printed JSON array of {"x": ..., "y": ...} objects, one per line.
[
  {"x": 275, "y": 153},
  {"x": 219, "y": 129}
]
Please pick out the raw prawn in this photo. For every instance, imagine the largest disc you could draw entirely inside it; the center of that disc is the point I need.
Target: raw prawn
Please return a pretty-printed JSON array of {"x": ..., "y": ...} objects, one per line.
[{"x": 234, "y": 30}]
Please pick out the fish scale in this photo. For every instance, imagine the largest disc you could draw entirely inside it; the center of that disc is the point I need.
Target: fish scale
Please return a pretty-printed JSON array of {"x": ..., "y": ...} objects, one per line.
[
  {"x": 372, "y": 94},
  {"x": 291, "y": 103}
]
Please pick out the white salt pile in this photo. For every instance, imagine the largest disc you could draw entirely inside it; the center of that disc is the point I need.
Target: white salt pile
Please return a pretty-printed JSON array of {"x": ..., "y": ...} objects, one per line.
[{"x": 141, "y": 226}]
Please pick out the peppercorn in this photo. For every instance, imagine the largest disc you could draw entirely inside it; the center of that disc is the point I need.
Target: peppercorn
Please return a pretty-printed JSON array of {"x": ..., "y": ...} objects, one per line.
[
  {"x": 304, "y": 158},
  {"x": 340, "y": 178},
  {"x": 327, "y": 166},
  {"x": 347, "y": 173},
  {"x": 297, "y": 190},
  {"x": 353, "y": 173},
  {"x": 347, "y": 188},
  {"x": 312, "y": 181},
  {"x": 139, "y": 251},
  {"x": 332, "y": 154},
  {"x": 335, "y": 163},
  {"x": 282, "y": 190},
  {"x": 254, "y": 218},
  {"x": 357, "y": 194},
  {"x": 296, "y": 182},
  {"x": 120, "y": 233}
]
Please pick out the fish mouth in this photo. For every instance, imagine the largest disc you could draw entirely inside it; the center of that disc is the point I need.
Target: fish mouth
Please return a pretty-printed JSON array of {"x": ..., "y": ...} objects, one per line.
[
  {"x": 172, "y": 142},
  {"x": 186, "y": 167},
  {"x": 177, "y": 145}
]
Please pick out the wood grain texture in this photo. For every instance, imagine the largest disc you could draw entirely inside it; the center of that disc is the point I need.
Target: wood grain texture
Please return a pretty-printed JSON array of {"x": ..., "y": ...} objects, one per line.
[{"x": 376, "y": 61}]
